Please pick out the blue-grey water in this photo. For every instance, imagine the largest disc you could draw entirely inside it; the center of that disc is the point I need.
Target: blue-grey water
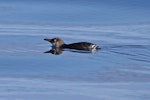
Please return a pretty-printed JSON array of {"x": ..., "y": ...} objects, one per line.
[{"x": 119, "y": 71}]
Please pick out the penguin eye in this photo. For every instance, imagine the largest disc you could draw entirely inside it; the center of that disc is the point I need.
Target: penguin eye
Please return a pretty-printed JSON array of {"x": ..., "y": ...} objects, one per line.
[{"x": 55, "y": 40}]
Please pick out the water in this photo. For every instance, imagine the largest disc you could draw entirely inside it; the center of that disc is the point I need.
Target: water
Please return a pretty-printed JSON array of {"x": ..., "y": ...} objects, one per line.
[
  {"x": 75, "y": 12},
  {"x": 120, "y": 70}
]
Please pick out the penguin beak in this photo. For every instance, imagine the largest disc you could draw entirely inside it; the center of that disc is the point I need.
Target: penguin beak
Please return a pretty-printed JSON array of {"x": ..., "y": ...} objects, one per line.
[{"x": 49, "y": 40}]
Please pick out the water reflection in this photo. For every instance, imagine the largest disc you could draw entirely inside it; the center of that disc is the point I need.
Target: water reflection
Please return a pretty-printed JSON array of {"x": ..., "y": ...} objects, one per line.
[
  {"x": 55, "y": 51},
  {"x": 58, "y": 51}
]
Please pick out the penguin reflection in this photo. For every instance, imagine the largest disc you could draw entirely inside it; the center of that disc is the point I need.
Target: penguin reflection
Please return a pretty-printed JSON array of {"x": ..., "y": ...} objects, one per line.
[
  {"x": 58, "y": 51},
  {"x": 55, "y": 51}
]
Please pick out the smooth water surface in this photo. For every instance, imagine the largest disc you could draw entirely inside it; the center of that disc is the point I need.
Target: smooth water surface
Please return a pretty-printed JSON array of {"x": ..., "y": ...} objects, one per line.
[
  {"x": 119, "y": 71},
  {"x": 75, "y": 11}
]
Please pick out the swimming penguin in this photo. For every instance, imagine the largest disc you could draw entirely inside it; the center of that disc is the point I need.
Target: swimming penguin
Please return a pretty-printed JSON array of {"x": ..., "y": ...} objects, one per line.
[{"x": 59, "y": 43}]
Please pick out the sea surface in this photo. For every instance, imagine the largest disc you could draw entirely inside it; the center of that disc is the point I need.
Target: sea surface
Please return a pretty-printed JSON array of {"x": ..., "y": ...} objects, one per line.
[{"x": 120, "y": 70}]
